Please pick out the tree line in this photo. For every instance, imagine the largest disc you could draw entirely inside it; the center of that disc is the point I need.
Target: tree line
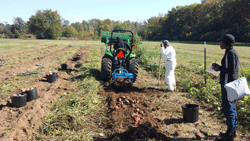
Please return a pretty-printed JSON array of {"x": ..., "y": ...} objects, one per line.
[
  {"x": 202, "y": 22},
  {"x": 196, "y": 22}
]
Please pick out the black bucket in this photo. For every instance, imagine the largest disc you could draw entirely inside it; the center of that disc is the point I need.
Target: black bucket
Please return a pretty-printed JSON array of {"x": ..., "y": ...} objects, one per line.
[
  {"x": 18, "y": 100},
  {"x": 78, "y": 57},
  {"x": 64, "y": 66},
  {"x": 32, "y": 94},
  {"x": 190, "y": 112},
  {"x": 51, "y": 78}
]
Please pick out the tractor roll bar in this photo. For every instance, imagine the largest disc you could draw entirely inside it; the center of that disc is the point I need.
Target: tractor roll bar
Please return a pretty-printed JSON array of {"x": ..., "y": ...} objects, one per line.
[{"x": 116, "y": 30}]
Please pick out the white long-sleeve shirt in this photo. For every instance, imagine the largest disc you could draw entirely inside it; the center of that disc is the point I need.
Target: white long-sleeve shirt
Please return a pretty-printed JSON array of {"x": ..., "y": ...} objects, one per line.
[{"x": 169, "y": 54}]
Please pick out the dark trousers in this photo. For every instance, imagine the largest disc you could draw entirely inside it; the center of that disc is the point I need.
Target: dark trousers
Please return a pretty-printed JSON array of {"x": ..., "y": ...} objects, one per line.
[{"x": 229, "y": 110}]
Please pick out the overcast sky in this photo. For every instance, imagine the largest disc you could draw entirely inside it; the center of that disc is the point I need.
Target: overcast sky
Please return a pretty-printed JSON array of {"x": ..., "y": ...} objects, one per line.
[{"x": 79, "y": 10}]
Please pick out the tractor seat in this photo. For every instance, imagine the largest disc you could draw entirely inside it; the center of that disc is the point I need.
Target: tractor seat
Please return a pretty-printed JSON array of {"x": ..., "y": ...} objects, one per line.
[{"x": 120, "y": 53}]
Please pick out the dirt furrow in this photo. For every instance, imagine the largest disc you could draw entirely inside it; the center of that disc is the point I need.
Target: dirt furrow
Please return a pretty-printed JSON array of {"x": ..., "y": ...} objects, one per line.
[
  {"x": 131, "y": 114},
  {"x": 24, "y": 123},
  {"x": 30, "y": 65}
]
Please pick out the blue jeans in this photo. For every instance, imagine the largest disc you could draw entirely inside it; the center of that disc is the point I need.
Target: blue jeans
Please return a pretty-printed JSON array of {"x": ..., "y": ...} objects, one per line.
[{"x": 229, "y": 110}]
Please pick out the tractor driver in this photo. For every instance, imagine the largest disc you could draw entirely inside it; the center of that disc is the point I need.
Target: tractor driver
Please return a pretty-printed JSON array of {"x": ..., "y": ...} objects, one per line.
[{"x": 121, "y": 44}]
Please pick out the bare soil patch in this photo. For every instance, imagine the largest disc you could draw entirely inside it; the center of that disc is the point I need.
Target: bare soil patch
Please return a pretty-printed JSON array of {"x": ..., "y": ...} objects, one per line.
[{"x": 24, "y": 123}]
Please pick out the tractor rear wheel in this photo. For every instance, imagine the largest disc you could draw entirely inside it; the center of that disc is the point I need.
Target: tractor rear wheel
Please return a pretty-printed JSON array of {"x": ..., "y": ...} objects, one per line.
[
  {"x": 106, "y": 69},
  {"x": 133, "y": 68}
]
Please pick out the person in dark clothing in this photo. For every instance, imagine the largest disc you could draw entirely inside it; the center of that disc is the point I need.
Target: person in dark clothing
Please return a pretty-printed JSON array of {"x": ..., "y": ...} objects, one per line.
[
  {"x": 121, "y": 44},
  {"x": 228, "y": 72}
]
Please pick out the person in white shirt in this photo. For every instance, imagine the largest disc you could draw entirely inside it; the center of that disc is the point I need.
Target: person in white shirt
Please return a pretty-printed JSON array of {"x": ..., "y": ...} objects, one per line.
[{"x": 170, "y": 63}]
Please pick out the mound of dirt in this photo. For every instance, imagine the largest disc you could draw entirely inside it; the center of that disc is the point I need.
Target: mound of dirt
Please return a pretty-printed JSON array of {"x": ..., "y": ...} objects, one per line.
[
  {"x": 131, "y": 114},
  {"x": 123, "y": 82}
]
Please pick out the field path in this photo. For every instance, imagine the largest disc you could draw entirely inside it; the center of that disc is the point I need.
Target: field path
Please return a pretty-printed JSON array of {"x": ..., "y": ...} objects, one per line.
[{"x": 24, "y": 123}]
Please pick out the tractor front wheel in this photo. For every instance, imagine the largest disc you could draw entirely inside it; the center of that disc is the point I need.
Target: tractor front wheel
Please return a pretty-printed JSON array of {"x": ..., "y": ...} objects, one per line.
[
  {"x": 133, "y": 68},
  {"x": 106, "y": 69}
]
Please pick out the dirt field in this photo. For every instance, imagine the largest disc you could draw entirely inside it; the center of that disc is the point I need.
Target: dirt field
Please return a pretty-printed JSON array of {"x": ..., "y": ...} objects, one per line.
[
  {"x": 24, "y": 123},
  {"x": 140, "y": 112}
]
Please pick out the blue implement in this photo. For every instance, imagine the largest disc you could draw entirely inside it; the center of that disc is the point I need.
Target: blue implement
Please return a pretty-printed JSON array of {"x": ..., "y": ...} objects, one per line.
[{"x": 122, "y": 73}]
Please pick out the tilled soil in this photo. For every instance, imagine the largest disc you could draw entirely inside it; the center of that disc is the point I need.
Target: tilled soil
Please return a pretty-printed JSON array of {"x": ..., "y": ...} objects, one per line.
[
  {"x": 146, "y": 112},
  {"x": 123, "y": 82},
  {"x": 23, "y": 123},
  {"x": 132, "y": 116}
]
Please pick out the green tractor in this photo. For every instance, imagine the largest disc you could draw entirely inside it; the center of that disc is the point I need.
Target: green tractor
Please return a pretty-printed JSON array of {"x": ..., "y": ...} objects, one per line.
[{"x": 118, "y": 63}]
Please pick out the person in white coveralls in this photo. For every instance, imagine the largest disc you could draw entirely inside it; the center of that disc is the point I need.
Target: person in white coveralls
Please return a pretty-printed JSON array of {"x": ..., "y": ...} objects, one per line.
[{"x": 170, "y": 63}]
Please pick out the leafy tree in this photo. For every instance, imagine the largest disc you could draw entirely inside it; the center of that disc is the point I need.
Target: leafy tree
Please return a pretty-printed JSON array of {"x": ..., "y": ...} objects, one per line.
[
  {"x": 7, "y": 26},
  {"x": 2, "y": 28},
  {"x": 205, "y": 21},
  {"x": 18, "y": 35},
  {"x": 69, "y": 31},
  {"x": 127, "y": 25},
  {"x": 78, "y": 26},
  {"x": 8, "y": 33},
  {"x": 20, "y": 25},
  {"x": 83, "y": 34},
  {"x": 65, "y": 22},
  {"x": 2, "y": 36},
  {"x": 106, "y": 25},
  {"x": 94, "y": 26},
  {"x": 85, "y": 25},
  {"x": 46, "y": 24},
  {"x": 119, "y": 25}
]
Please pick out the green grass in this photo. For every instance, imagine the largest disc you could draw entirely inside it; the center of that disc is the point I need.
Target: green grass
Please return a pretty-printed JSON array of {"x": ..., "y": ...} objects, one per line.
[
  {"x": 76, "y": 115},
  {"x": 9, "y": 46},
  {"x": 189, "y": 72},
  {"x": 29, "y": 56}
]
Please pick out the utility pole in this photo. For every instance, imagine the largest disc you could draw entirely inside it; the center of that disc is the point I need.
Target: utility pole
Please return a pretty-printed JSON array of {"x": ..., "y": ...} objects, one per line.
[{"x": 205, "y": 65}]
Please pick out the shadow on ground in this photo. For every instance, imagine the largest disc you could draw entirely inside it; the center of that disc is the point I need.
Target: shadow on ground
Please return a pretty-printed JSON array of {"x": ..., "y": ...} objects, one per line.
[
  {"x": 144, "y": 133},
  {"x": 7, "y": 105},
  {"x": 173, "y": 121},
  {"x": 68, "y": 71},
  {"x": 90, "y": 72},
  {"x": 110, "y": 87}
]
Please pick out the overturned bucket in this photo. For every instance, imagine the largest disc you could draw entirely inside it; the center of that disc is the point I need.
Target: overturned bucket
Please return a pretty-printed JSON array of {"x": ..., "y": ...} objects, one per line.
[
  {"x": 18, "y": 100},
  {"x": 190, "y": 112}
]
